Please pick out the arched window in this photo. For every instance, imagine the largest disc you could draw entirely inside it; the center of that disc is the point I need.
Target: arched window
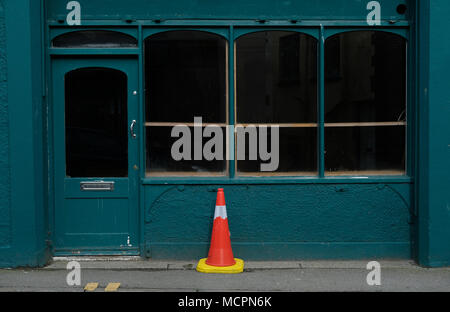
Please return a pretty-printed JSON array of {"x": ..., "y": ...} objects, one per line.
[
  {"x": 185, "y": 77},
  {"x": 365, "y": 103},
  {"x": 276, "y": 84},
  {"x": 94, "y": 39}
]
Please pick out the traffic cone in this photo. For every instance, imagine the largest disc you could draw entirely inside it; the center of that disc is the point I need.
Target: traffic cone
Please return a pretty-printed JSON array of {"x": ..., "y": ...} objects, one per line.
[{"x": 220, "y": 257}]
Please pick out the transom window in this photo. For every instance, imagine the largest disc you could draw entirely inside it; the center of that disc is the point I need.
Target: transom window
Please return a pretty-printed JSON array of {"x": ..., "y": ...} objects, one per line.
[{"x": 94, "y": 39}]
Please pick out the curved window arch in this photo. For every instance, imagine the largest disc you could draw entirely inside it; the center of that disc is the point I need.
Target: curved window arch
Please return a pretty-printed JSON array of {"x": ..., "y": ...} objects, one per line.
[
  {"x": 94, "y": 39},
  {"x": 277, "y": 85},
  {"x": 365, "y": 103},
  {"x": 186, "y": 34},
  {"x": 390, "y": 31}
]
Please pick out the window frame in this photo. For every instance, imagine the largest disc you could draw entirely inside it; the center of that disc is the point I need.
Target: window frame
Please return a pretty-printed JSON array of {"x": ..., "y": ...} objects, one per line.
[
  {"x": 321, "y": 34},
  {"x": 148, "y": 33},
  {"x": 403, "y": 33},
  {"x": 231, "y": 30},
  {"x": 239, "y": 33}
]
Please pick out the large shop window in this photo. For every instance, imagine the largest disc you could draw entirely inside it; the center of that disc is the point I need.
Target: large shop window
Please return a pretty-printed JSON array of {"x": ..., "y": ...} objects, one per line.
[
  {"x": 365, "y": 104},
  {"x": 276, "y": 85},
  {"x": 186, "y": 77}
]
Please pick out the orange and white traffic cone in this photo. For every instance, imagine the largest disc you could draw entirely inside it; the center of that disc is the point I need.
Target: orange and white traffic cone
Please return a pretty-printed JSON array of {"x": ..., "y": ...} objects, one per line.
[{"x": 220, "y": 257}]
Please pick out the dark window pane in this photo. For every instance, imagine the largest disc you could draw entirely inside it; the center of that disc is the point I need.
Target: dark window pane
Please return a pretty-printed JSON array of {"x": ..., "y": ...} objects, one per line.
[
  {"x": 161, "y": 162},
  {"x": 96, "y": 123},
  {"x": 186, "y": 77},
  {"x": 276, "y": 77},
  {"x": 297, "y": 153},
  {"x": 365, "y": 150},
  {"x": 94, "y": 39},
  {"x": 365, "y": 77}
]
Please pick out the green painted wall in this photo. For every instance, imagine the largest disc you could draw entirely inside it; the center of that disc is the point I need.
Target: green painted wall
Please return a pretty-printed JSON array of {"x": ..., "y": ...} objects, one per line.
[
  {"x": 5, "y": 217},
  {"x": 225, "y": 9},
  {"x": 344, "y": 221},
  {"x": 26, "y": 244},
  {"x": 439, "y": 136},
  {"x": 434, "y": 141}
]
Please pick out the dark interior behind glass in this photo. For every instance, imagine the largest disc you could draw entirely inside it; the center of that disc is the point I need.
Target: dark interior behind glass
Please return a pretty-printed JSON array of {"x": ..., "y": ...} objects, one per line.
[
  {"x": 94, "y": 39},
  {"x": 185, "y": 77},
  {"x": 276, "y": 74},
  {"x": 365, "y": 77},
  {"x": 297, "y": 153},
  {"x": 160, "y": 160},
  {"x": 365, "y": 103},
  {"x": 365, "y": 149},
  {"x": 96, "y": 123}
]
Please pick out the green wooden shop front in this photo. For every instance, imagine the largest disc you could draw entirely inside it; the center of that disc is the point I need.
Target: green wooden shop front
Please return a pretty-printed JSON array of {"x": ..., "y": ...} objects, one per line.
[{"x": 345, "y": 82}]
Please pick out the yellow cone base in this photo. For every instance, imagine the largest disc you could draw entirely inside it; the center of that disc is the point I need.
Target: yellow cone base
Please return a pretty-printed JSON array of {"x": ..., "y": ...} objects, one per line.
[{"x": 234, "y": 269}]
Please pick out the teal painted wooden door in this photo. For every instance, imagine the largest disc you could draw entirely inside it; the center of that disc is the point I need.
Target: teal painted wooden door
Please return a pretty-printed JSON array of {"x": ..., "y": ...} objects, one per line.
[{"x": 95, "y": 109}]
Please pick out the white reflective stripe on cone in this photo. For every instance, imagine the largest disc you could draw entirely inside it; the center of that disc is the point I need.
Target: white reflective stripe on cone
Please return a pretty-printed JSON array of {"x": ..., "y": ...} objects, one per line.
[{"x": 221, "y": 211}]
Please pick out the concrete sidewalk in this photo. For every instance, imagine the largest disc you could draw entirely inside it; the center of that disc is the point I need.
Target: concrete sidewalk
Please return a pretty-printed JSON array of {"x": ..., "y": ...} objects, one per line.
[{"x": 135, "y": 274}]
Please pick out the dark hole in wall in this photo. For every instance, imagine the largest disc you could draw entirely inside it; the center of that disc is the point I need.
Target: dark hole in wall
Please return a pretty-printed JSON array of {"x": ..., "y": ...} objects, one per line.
[{"x": 401, "y": 9}]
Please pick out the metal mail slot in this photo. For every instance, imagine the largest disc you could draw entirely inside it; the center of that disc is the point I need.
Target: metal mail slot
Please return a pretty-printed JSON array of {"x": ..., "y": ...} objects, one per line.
[{"x": 97, "y": 186}]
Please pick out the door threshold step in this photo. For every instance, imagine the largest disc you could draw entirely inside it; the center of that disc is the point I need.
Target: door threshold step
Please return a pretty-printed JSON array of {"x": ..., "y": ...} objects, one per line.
[{"x": 96, "y": 258}]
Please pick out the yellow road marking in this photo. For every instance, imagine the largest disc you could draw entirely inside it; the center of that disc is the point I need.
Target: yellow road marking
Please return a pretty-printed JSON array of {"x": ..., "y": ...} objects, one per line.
[
  {"x": 91, "y": 286},
  {"x": 112, "y": 287}
]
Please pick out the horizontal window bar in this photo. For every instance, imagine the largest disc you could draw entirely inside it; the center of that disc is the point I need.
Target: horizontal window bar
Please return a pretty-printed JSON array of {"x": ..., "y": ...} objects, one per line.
[
  {"x": 278, "y": 174},
  {"x": 275, "y": 180},
  {"x": 366, "y": 124},
  {"x": 363, "y": 173},
  {"x": 188, "y": 124},
  {"x": 281, "y": 125},
  {"x": 185, "y": 174}
]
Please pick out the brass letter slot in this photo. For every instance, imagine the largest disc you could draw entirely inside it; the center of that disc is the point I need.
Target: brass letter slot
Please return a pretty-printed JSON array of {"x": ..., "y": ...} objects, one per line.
[{"x": 97, "y": 186}]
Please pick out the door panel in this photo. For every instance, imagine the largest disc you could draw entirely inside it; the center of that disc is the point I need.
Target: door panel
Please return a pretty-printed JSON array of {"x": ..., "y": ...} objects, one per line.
[{"x": 95, "y": 156}]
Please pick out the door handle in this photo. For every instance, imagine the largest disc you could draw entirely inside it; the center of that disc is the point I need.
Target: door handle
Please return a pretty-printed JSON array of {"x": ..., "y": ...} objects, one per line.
[{"x": 133, "y": 124}]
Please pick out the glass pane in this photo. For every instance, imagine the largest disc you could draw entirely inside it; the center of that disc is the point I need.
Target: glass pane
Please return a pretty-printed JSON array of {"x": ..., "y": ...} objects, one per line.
[
  {"x": 365, "y": 77},
  {"x": 160, "y": 160},
  {"x": 96, "y": 123},
  {"x": 94, "y": 39},
  {"x": 276, "y": 76},
  {"x": 186, "y": 77},
  {"x": 365, "y": 150},
  {"x": 297, "y": 153}
]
